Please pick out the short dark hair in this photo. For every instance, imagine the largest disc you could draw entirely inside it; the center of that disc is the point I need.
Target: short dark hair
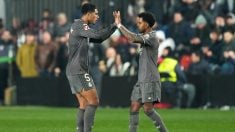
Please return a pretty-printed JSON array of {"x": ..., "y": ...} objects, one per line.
[
  {"x": 86, "y": 8},
  {"x": 198, "y": 53},
  {"x": 170, "y": 51},
  {"x": 229, "y": 30},
  {"x": 30, "y": 32},
  {"x": 148, "y": 17}
]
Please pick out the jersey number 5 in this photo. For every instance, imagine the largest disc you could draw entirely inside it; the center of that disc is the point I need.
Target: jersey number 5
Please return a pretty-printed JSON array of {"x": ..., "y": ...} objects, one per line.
[{"x": 88, "y": 79}]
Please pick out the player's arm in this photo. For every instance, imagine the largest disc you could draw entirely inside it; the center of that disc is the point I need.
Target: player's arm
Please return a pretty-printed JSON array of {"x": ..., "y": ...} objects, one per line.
[
  {"x": 94, "y": 34},
  {"x": 137, "y": 38},
  {"x": 130, "y": 35}
]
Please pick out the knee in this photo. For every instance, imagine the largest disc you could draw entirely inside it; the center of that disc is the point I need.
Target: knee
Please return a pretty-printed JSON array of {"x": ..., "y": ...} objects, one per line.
[
  {"x": 82, "y": 105},
  {"x": 134, "y": 108},
  {"x": 94, "y": 101},
  {"x": 147, "y": 110}
]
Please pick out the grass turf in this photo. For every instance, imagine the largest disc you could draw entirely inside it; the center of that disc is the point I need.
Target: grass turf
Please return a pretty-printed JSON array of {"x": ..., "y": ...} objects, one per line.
[{"x": 50, "y": 119}]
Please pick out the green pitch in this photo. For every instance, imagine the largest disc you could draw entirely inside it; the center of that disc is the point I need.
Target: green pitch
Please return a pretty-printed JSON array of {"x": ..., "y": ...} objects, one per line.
[{"x": 49, "y": 119}]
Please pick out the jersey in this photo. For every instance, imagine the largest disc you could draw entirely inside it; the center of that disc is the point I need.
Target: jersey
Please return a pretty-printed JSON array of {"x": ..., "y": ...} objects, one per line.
[
  {"x": 167, "y": 70},
  {"x": 148, "y": 56},
  {"x": 80, "y": 37}
]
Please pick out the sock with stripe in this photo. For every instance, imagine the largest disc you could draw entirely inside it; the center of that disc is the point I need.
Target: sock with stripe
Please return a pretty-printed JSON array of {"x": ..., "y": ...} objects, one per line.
[
  {"x": 80, "y": 120},
  {"x": 89, "y": 117},
  {"x": 134, "y": 121},
  {"x": 155, "y": 117}
]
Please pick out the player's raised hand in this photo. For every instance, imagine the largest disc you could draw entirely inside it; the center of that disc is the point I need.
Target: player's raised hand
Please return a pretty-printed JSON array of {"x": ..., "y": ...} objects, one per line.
[{"x": 117, "y": 17}]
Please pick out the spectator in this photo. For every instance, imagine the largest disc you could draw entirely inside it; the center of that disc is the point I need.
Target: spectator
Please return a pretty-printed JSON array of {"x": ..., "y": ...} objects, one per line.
[
  {"x": 169, "y": 7},
  {"x": 181, "y": 32},
  {"x": 110, "y": 55},
  {"x": 209, "y": 9},
  {"x": 220, "y": 23},
  {"x": 31, "y": 26},
  {"x": 62, "y": 26},
  {"x": 213, "y": 50},
  {"x": 119, "y": 68},
  {"x": 228, "y": 6},
  {"x": 229, "y": 40},
  {"x": 47, "y": 15},
  {"x": 199, "y": 66},
  {"x": 62, "y": 55},
  {"x": 133, "y": 68},
  {"x": 15, "y": 28},
  {"x": 122, "y": 46},
  {"x": 25, "y": 57},
  {"x": 174, "y": 81},
  {"x": 6, "y": 58},
  {"x": 164, "y": 42},
  {"x": 201, "y": 35},
  {"x": 230, "y": 21},
  {"x": 45, "y": 56},
  {"x": 228, "y": 67},
  {"x": 189, "y": 8},
  {"x": 46, "y": 23}
]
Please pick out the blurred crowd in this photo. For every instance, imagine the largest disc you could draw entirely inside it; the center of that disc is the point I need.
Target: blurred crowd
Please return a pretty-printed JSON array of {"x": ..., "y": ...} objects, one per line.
[{"x": 199, "y": 34}]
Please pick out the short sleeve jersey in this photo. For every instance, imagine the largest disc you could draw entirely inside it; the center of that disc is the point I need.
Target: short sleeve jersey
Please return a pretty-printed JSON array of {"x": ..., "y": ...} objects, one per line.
[
  {"x": 80, "y": 36},
  {"x": 148, "y": 58}
]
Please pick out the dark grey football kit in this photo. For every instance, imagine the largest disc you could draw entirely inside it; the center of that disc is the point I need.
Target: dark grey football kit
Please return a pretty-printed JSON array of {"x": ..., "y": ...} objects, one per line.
[
  {"x": 77, "y": 69},
  {"x": 148, "y": 86}
]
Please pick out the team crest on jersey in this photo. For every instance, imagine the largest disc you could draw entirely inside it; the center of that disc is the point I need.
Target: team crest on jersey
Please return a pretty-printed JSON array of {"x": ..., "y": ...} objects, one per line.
[
  {"x": 146, "y": 36},
  {"x": 86, "y": 27}
]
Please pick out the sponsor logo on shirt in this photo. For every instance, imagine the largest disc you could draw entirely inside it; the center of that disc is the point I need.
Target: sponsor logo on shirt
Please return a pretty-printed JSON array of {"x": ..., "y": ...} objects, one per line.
[{"x": 146, "y": 36}]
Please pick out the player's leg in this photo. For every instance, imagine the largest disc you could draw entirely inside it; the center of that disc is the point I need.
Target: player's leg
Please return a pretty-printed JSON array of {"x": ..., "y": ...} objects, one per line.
[
  {"x": 134, "y": 108},
  {"x": 80, "y": 116},
  {"x": 92, "y": 104},
  {"x": 154, "y": 116},
  {"x": 151, "y": 93},
  {"x": 134, "y": 116}
]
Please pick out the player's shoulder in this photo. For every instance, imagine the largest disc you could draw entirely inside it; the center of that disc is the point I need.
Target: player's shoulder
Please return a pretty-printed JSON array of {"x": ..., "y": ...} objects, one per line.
[
  {"x": 150, "y": 35},
  {"x": 77, "y": 23},
  {"x": 81, "y": 25}
]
